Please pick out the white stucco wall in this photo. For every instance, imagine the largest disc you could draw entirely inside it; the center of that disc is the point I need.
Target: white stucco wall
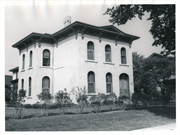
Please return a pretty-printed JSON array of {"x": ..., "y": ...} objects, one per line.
[{"x": 69, "y": 66}]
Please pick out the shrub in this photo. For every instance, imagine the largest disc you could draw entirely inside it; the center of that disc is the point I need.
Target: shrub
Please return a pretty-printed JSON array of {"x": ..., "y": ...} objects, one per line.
[
  {"x": 45, "y": 101},
  {"x": 63, "y": 101},
  {"x": 124, "y": 101},
  {"x": 18, "y": 102},
  {"x": 27, "y": 106},
  {"x": 81, "y": 97}
]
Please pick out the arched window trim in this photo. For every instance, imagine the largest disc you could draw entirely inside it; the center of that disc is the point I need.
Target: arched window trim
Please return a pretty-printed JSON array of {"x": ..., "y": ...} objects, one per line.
[
  {"x": 30, "y": 58},
  {"x": 109, "y": 82},
  {"x": 46, "y": 86},
  {"x": 30, "y": 86},
  {"x": 108, "y": 57},
  {"x": 90, "y": 51},
  {"x": 23, "y": 61},
  {"x": 46, "y": 59},
  {"x": 123, "y": 56},
  {"x": 91, "y": 81}
]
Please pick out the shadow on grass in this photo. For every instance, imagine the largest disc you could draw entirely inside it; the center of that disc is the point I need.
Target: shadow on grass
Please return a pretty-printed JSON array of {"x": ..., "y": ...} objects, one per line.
[{"x": 169, "y": 112}]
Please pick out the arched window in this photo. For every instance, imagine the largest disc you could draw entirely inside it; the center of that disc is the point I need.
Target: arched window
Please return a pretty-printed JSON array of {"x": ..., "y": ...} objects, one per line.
[
  {"x": 30, "y": 59},
  {"x": 90, "y": 50},
  {"x": 22, "y": 84},
  {"x": 108, "y": 83},
  {"x": 46, "y": 58},
  {"x": 91, "y": 82},
  {"x": 124, "y": 85},
  {"x": 23, "y": 61},
  {"x": 29, "y": 86},
  {"x": 46, "y": 84},
  {"x": 123, "y": 56},
  {"x": 108, "y": 53}
]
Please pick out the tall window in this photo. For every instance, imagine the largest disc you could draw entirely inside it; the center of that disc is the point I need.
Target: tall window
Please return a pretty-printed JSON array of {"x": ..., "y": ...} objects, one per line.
[
  {"x": 46, "y": 84},
  {"x": 30, "y": 59},
  {"x": 124, "y": 85},
  {"x": 22, "y": 84},
  {"x": 91, "y": 82},
  {"x": 123, "y": 56},
  {"x": 46, "y": 58},
  {"x": 108, "y": 83},
  {"x": 108, "y": 53},
  {"x": 90, "y": 49},
  {"x": 29, "y": 86},
  {"x": 23, "y": 61}
]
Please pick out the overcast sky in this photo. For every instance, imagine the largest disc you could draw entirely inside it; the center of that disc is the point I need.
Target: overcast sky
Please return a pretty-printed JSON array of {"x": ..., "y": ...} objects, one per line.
[{"x": 23, "y": 19}]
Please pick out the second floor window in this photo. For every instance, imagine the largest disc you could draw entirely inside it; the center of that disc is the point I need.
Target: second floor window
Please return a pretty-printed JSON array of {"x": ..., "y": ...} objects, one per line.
[
  {"x": 90, "y": 50},
  {"x": 123, "y": 56},
  {"x": 108, "y": 53},
  {"x": 30, "y": 59},
  {"x": 23, "y": 61},
  {"x": 46, "y": 58}
]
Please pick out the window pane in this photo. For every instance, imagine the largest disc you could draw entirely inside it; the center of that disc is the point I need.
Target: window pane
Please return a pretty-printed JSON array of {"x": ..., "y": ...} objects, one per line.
[
  {"x": 123, "y": 59},
  {"x": 46, "y": 54},
  {"x": 90, "y": 45},
  {"x": 45, "y": 90},
  {"x": 45, "y": 83},
  {"x": 107, "y": 48},
  {"x": 90, "y": 55},
  {"x": 108, "y": 85},
  {"x": 91, "y": 88},
  {"x": 108, "y": 78},
  {"x": 108, "y": 57},
  {"x": 46, "y": 62},
  {"x": 91, "y": 77}
]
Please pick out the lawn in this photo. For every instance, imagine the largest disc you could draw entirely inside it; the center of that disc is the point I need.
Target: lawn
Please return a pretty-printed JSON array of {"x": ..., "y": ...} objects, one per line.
[{"x": 127, "y": 120}]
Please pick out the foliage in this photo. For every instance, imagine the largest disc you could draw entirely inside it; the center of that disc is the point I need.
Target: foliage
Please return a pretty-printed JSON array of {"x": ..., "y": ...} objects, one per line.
[
  {"x": 45, "y": 101},
  {"x": 124, "y": 101},
  {"x": 160, "y": 69},
  {"x": 19, "y": 105},
  {"x": 162, "y": 17},
  {"x": 81, "y": 97},
  {"x": 63, "y": 101},
  {"x": 7, "y": 94}
]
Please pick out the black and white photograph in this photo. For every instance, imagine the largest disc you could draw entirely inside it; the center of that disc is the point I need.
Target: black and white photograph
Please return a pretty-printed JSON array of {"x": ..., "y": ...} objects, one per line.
[{"x": 88, "y": 65}]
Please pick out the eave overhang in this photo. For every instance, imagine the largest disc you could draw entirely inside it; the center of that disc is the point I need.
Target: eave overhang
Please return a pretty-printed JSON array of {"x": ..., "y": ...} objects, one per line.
[
  {"x": 16, "y": 69},
  {"x": 109, "y": 32}
]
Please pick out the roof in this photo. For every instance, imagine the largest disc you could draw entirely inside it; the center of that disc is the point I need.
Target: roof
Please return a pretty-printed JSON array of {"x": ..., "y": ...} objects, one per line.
[
  {"x": 109, "y": 32},
  {"x": 16, "y": 69},
  {"x": 8, "y": 79}
]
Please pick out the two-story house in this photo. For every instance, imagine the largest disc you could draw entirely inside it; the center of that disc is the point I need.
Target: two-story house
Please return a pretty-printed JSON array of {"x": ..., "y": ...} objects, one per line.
[{"x": 80, "y": 54}]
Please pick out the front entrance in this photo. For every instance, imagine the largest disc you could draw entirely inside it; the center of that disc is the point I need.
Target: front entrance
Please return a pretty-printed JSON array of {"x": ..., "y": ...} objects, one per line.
[{"x": 124, "y": 85}]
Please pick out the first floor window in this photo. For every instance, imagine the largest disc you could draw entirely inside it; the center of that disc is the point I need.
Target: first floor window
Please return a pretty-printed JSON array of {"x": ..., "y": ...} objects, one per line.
[
  {"x": 46, "y": 84},
  {"x": 22, "y": 84},
  {"x": 108, "y": 83},
  {"x": 91, "y": 82},
  {"x": 29, "y": 86}
]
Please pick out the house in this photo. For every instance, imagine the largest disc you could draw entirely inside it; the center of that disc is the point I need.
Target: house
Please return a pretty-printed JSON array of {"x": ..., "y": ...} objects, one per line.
[
  {"x": 80, "y": 54},
  {"x": 14, "y": 82}
]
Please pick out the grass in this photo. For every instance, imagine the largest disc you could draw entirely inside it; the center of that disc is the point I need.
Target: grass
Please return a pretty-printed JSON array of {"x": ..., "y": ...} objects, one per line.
[{"x": 108, "y": 121}]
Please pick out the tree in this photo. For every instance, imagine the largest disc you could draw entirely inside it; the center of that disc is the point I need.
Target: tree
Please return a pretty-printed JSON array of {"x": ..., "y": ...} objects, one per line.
[
  {"x": 162, "y": 17},
  {"x": 8, "y": 93},
  {"x": 161, "y": 69}
]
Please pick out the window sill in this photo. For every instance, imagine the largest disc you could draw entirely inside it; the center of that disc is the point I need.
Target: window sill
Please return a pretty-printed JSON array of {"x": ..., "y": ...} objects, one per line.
[
  {"x": 30, "y": 68},
  {"x": 110, "y": 63},
  {"x": 46, "y": 67},
  {"x": 92, "y": 61},
  {"x": 29, "y": 97},
  {"x": 23, "y": 70},
  {"x": 124, "y": 65}
]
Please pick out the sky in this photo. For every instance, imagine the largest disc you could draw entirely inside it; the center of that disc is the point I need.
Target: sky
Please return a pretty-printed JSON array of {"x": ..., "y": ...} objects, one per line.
[{"x": 23, "y": 19}]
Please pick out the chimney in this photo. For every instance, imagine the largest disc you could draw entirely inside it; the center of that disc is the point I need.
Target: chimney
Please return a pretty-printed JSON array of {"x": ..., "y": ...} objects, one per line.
[{"x": 67, "y": 21}]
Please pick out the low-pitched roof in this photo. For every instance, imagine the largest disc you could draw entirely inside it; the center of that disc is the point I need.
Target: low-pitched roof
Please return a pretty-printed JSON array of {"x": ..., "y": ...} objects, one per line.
[{"x": 109, "y": 32}]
